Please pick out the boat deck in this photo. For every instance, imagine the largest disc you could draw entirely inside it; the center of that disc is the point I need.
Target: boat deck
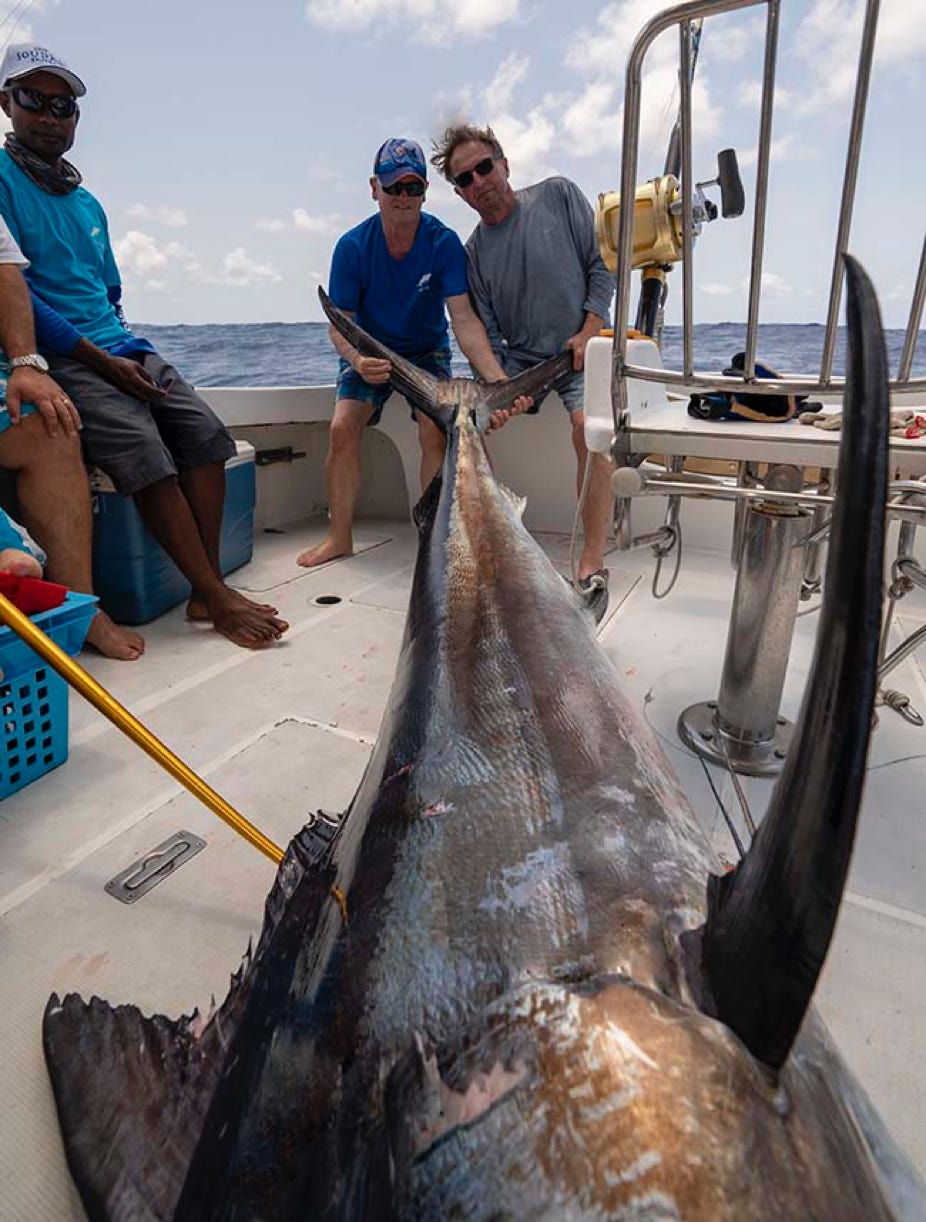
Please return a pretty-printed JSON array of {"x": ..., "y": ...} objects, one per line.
[{"x": 283, "y": 733}]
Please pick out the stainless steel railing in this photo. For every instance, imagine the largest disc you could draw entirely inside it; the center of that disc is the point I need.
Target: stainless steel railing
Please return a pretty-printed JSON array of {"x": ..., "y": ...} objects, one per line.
[{"x": 683, "y": 16}]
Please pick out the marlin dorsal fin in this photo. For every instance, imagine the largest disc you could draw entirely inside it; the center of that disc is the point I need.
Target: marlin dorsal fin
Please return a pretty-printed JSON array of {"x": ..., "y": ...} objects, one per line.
[{"x": 770, "y": 922}]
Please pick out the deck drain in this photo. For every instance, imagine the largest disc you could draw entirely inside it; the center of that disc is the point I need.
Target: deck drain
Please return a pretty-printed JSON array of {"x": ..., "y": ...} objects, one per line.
[{"x": 327, "y": 600}]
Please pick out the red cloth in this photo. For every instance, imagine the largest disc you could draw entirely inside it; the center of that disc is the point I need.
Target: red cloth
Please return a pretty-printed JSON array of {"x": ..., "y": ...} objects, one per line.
[{"x": 30, "y": 594}]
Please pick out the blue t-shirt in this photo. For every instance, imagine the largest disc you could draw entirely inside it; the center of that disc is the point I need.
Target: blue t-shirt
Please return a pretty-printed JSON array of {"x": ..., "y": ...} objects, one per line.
[
  {"x": 72, "y": 268},
  {"x": 400, "y": 302}
]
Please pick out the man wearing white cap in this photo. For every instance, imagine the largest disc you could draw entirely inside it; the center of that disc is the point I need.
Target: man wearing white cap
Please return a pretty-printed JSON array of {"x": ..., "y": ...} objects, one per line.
[{"x": 142, "y": 424}]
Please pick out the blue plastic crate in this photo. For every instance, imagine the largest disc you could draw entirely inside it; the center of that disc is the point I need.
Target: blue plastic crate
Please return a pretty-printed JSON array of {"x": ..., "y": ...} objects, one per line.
[{"x": 34, "y": 698}]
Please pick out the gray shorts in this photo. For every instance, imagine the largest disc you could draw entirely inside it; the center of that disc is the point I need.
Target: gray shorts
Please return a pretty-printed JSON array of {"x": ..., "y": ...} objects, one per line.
[
  {"x": 570, "y": 387},
  {"x": 137, "y": 443}
]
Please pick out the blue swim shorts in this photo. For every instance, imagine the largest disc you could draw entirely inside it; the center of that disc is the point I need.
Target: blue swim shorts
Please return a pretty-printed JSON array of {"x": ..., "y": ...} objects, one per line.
[{"x": 352, "y": 386}]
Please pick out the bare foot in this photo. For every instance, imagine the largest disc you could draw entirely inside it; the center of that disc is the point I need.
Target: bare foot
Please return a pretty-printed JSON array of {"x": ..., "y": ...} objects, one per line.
[
  {"x": 113, "y": 641},
  {"x": 19, "y": 563},
  {"x": 239, "y": 620},
  {"x": 328, "y": 549},
  {"x": 198, "y": 612}
]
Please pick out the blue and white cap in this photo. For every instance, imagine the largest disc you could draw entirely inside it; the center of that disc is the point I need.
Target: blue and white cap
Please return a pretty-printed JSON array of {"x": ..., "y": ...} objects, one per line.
[
  {"x": 399, "y": 157},
  {"x": 21, "y": 58}
]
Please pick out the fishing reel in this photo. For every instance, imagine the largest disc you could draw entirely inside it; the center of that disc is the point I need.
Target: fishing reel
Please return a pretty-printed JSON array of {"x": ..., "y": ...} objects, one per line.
[{"x": 658, "y": 240}]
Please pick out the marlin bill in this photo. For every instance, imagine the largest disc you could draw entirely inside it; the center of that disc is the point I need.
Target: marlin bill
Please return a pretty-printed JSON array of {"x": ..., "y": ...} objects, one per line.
[{"x": 510, "y": 982}]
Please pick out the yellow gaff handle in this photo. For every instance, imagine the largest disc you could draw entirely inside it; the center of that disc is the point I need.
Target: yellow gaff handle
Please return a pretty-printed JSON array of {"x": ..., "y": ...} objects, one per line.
[{"x": 100, "y": 698}]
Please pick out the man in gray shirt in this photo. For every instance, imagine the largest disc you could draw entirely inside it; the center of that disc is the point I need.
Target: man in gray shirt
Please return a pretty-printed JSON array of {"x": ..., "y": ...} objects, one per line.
[{"x": 539, "y": 285}]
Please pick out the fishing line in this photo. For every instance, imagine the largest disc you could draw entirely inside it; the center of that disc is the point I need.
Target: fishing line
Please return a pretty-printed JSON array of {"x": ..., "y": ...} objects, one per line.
[
  {"x": 902, "y": 759},
  {"x": 727, "y": 817},
  {"x": 12, "y": 17},
  {"x": 580, "y": 505}
]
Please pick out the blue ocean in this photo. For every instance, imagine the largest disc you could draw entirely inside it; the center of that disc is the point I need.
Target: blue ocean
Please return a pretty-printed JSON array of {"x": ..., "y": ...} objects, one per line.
[{"x": 300, "y": 354}]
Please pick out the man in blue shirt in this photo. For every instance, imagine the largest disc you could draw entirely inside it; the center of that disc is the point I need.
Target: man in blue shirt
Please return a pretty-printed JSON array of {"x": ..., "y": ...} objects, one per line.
[
  {"x": 395, "y": 272},
  {"x": 142, "y": 424}
]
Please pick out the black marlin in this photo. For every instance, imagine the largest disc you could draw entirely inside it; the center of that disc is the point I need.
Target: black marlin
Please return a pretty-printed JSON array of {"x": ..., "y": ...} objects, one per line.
[{"x": 508, "y": 983}]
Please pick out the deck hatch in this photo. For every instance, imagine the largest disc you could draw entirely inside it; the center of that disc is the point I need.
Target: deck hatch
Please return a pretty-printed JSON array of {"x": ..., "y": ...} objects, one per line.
[{"x": 142, "y": 875}]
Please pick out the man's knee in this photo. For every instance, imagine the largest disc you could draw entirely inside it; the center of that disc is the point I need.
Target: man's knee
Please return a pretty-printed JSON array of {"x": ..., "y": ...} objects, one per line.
[
  {"x": 29, "y": 445},
  {"x": 577, "y": 423},
  {"x": 347, "y": 429}
]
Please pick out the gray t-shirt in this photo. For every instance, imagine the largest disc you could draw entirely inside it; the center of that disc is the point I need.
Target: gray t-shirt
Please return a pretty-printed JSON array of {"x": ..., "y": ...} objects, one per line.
[{"x": 533, "y": 277}]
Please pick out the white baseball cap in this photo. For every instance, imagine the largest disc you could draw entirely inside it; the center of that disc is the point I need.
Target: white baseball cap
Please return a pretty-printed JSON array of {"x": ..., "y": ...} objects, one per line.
[{"x": 21, "y": 58}]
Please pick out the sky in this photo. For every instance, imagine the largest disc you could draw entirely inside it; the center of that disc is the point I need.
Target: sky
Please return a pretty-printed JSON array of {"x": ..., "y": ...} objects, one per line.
[{"x": 231, "y": 144}]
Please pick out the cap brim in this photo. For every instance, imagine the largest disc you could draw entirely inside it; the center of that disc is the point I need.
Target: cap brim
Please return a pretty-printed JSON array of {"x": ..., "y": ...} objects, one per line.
[
  {"x": 76, "y": 85},
  {"x": 388, "y": 179}
]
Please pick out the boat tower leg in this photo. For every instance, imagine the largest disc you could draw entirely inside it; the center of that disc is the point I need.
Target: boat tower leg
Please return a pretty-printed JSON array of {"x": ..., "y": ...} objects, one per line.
[{"x": 742, "y": 729}]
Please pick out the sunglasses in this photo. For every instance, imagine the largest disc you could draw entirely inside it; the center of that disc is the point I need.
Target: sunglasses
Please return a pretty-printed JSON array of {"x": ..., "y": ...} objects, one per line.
[
  {"x": 415, "y": 189},
  {"x": 482, "y": 168},
  {"x": 60, "y": 106}
]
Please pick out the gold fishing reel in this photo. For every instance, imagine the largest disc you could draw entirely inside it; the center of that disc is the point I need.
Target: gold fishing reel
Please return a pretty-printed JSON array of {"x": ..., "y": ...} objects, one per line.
[{"x": 657, "y": 220}]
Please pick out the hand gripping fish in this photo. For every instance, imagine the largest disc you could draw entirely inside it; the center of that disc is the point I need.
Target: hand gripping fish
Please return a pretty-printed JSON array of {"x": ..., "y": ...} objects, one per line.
[{"x": 509, "y": 983}]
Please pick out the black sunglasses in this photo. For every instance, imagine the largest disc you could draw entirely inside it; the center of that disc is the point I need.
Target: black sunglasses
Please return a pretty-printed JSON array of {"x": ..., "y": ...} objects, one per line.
[
  {"x": 61, "y": 106},
  {"x": 482, "y": 168},
  {"x": 415, "y": 189}
]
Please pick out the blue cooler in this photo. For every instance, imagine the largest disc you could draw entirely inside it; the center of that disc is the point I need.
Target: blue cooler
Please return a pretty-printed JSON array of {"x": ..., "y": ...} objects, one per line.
[{"x": 133, "y": 577}]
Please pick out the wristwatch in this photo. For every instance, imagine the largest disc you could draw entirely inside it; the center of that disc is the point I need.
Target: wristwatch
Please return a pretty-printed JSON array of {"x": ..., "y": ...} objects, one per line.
[{"x": 34, "y": 359}]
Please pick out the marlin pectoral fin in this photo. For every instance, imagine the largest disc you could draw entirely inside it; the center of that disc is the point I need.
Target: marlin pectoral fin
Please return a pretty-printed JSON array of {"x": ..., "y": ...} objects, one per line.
[
  {"x": 770, "y": 922},
  {"x": 421, "y": 388},
  {"x": 533, "y": 382}
]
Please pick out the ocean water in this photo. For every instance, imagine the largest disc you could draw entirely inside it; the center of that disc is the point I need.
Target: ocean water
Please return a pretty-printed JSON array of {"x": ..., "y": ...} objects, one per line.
[{"x": 300, "y": 354}]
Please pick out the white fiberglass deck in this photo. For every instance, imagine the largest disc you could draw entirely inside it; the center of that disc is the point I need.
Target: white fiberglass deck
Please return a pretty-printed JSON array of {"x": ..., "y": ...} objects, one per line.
[{"x": 287, "y": 731}]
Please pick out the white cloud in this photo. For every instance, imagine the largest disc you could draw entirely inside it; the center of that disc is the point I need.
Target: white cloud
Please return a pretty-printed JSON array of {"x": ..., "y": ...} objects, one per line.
[
  {"x": 750, "y": 94},
  {"x": 772, "y": 285},
  {"x": 240, "y": 271},
  {"x": 526, "y": 142},
  {"x": 731, "y": 40},
  {"x": 715, "y": 290},
  {"x": 139, "y": 253},
  {"x": 594, "y": 119},
  {"x": 510, "y": 73},
  {"x": 165, "y": 214},
  {"x": 783, "y": 149},
  {"x": 831, "y": 33},
  {"x": 300, "y": 220},
  {"x": 432, "y": 20},
  {"x": 603, "y": 50}
]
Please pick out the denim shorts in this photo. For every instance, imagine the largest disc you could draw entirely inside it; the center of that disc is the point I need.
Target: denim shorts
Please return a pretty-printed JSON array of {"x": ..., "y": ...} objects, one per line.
[{"x": 352, "y": 386}]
